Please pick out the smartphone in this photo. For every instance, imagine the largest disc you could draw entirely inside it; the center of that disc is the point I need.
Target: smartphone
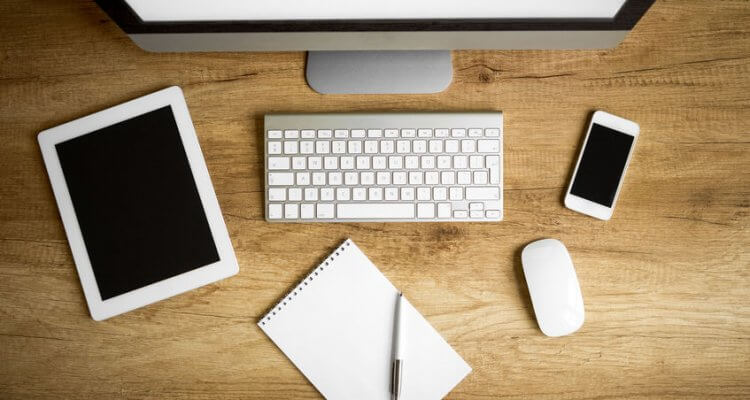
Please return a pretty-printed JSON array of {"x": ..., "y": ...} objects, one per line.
[{"x": 599, "y": 172}]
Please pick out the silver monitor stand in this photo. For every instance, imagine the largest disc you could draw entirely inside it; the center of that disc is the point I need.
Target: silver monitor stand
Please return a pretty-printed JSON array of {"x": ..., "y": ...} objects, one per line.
[{"x": 379, "y": 72}]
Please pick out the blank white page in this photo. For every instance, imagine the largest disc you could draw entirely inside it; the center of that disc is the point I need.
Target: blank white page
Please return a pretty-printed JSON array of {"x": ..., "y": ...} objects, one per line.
[{"x": 337, "y": 328}]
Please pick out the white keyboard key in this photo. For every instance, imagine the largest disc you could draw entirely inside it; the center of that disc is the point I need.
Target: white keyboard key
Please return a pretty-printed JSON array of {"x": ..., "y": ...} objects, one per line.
[
  {"x": 458, "y": 132},
  {"x": 359, "y": 194},
  {"x": 347, "y": 162},
  {"x": 476, "y": 214},
  {"x": 295, "y": 194},
  {"x": 323, "y": 147},
  {"x": 371, "y": 146},
  {"x": 423, "y": 193},
  {"x": 291, "y": 134},
  {"x": 331, "y": 162},
  {"x": 280, "y": 178},
  {"x": 303, "y": 178},
  {"x": 341, "y": 133},
  {"x": 459, "y": 162},
  {"x": 308, "y": 134},
  {"x": 451, "y": 146},
  {"x": 492, "y": 214},
  {"x": 431, "y": 178},
  {"x": 319, "y": 178},
  {"x": 276, "y": 163},
  {"x": 442, "y": 132},
  {"x": 456, "y": 193},
  {"x": 391, "y": 193},
  {"x": 464, "y": 177},
  {"x": 480, "y": 177},
  {"x": 476, "y": 206},
  {"x": 420, "y": 146},
  {"x": 363, "y": 162},
  {"x": 343, "y": 194},
  {"x": 440, "y": 193},
  {"x": 403, "y": 146},
  {"x": 291, "y": 211},
  {"x": 444, "y": 210},
  {"x": 274, "y": 134},
  {"x": 306, "y": 147},
  {"x": 391, "y": 133},
  {"x": 275, "y": 211},
  {"x": 436, "y": 146},
  {"x": 468, "y": 146},
  {"x": 428, "y": 162},
  {"x": 448, "y": 178},
  {"x": 358, "y": 133},
  {"x": 274, "y": 147},
  {"x": 290, "y": 147},
  {"x": 299, "y": 162},
  {"x": 444, "y": 162},
  {"x": 492, "y": 132},
  {"x": 407, "y": 193},
  {"x": 476, "y": 162},
  {"x": 325, "y": 210},
  {"x": 415, "y": 178},
  {"x": 386, "y": 146},
  {"x": 335, "y": 178},
  {"x": 375, "y": 211},
  {"x": 375, "y": 133},
  {"x": 311, "y": 194},
  {"x": 426, "y": 210},
  {"x": 307, "y": 211},
  {"x": 324, "y": 133},
  {"x": 489, "y": 146},
  {"x": 355, "y": 147},
  {"x": 338, "y": 147},
  {"x": 314, "y": 163},
  {"x": 367, "y": 178},
  {"x": 351, "y": 178},
  {"x": 493, "y": 163},
  {"x": 408, "y": 133},
  {"x": 276, "y": 194},
  {"x": 399, "y": 178},
  {"x": 482, "y": 193},
  {"x": 412, "y": 162},
  {"x": 378, "y": 162},
  {"x": 384, "y": 178},
  {"x": 395, "y": 162},
  {"x": 326, "y": 194},
  {"x": 424, "y": 132},
  {"x": 475, "y": 132},
  {"x": 375, "y": 194},
  {"x": 460, "y": 214}
]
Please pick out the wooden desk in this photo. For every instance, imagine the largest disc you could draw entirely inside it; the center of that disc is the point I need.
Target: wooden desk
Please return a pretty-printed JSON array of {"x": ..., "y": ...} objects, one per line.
[{"x": 666, "y": 282}]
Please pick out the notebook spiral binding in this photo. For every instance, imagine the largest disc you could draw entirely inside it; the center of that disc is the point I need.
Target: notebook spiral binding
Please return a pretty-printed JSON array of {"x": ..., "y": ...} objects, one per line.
[{"x": 304, "y": 282}]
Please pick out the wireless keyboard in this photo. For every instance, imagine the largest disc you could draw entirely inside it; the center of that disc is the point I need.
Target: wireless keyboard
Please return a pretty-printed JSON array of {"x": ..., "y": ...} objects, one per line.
[{"x": 384, "y": 167}]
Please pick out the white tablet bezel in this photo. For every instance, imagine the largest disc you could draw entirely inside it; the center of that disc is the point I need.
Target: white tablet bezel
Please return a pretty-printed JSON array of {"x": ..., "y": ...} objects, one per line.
[{"x": 227, "y": 264}]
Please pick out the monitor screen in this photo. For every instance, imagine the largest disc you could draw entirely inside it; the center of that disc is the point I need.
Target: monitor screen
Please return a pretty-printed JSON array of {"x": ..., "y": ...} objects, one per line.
[{"x": 286, "y": 10}]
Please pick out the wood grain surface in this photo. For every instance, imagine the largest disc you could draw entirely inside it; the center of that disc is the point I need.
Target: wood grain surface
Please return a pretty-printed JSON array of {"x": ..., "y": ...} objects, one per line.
[{"x": 666, "y": 282}]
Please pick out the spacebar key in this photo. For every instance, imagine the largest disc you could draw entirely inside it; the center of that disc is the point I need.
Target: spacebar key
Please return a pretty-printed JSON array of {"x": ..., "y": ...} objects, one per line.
[{"x": 374, "y": 210}]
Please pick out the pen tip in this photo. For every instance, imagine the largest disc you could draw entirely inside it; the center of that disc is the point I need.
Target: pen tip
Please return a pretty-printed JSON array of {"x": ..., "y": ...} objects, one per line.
[{"x": 400, "y": 294}]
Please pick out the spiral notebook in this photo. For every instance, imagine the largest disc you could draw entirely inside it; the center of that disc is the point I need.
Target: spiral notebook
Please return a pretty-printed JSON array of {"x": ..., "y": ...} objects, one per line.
[{"x": 336, "y": 326}]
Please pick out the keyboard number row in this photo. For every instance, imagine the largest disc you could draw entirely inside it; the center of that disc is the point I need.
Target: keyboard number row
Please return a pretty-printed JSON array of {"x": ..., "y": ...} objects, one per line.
[{"x": 384, "y": 146}]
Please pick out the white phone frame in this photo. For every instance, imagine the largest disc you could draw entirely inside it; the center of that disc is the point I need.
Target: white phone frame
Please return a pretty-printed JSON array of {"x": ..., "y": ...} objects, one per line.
[
  {"x": 227, "y": 264},
  {"x": 589, "y": 207}
]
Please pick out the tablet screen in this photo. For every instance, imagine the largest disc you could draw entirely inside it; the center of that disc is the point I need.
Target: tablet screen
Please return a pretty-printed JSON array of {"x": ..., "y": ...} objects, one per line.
[{"x": 136, "y": 202}]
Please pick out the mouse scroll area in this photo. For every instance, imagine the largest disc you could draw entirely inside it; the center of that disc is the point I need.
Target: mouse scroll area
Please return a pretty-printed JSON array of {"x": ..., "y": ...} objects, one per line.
[{"x": 553, "y": 287}]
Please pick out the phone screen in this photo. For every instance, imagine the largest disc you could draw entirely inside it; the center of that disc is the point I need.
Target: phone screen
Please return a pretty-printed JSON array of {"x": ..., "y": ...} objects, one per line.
[{"x": 602, "y": 165}]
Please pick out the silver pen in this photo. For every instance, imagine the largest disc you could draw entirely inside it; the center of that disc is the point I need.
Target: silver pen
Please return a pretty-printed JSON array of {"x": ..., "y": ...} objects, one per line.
[{"x": 398, "y": 360}]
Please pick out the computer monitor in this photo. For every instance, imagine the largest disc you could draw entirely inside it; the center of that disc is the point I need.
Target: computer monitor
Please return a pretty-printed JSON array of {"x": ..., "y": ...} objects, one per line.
[{"x": 384, "y": 46}]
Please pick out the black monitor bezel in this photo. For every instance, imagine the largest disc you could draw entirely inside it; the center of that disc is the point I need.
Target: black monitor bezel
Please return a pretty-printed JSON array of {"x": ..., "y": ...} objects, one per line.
[{"x": 129, "y": 22}]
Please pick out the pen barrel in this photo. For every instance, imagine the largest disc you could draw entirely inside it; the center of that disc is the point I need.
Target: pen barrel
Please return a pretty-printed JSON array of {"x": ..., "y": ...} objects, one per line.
[{"x": 396, "y": 379}]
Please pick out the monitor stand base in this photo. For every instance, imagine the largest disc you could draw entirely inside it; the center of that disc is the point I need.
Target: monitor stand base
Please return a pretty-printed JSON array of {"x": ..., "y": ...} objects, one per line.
[{"x": 379, "y": 72}]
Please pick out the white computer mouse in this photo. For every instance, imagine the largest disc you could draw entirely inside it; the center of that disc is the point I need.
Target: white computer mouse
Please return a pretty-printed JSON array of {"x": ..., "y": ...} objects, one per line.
[{"x": 553, "y": 285}]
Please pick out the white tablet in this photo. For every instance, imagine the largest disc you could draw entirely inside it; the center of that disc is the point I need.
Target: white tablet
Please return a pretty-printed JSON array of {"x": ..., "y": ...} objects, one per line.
[{"x": 137, "y": 203}]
